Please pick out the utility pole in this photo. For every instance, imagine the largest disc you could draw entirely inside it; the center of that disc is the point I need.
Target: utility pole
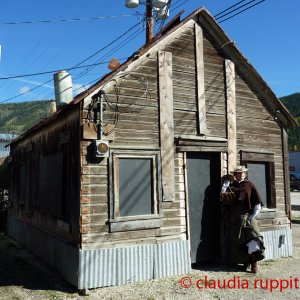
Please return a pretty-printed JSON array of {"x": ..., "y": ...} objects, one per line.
[
  {"x": 161, "y": 11},
  {"x": 149, "y": 21}
]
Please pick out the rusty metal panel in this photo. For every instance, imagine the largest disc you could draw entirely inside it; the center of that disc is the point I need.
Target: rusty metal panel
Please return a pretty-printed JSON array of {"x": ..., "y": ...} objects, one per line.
[{"x": 278, "y": 243}]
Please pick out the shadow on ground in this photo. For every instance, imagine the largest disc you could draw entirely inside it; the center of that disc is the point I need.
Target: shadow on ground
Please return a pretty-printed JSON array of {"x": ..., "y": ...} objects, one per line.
[{"x": 18, "y": 267}]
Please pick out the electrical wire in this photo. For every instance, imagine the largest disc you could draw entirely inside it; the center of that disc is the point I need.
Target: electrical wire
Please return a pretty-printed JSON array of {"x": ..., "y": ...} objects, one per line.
[
  {"x": 221, "y": 15},
  {"x": 242, "y": 11},
  {"x": 24, "y": 93},
  {"x": 67, "y": 20},
  {"x": 55, "y": 71},
  {"x": 223, "y": 11},
  {"x": 77, "y": 65},
  {"x": 111, "y": 43},
  {"x": 109, "y": 54}
]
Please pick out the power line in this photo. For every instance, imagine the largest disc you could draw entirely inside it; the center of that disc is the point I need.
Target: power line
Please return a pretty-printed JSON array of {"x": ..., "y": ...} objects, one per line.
[
  {"x": 66, "y": 20},
  {"x": 77, "y": 65},
  {"x": 103, "y": 48},
  {"x": 54, "y": 71},
  {"x": 24, "y": 93},
  {"x": 230, "y": 17},
  {"x": 221, "y": 15},
  {"x": 113, "y": 50}
]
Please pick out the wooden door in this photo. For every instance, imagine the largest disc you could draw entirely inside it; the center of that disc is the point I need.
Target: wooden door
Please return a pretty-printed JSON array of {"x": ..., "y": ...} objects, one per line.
[{"x": 203, "y": 176}]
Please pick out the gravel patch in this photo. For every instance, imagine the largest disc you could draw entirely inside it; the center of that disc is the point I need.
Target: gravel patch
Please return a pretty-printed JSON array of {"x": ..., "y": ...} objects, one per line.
[{"x": 25, "y": 277}]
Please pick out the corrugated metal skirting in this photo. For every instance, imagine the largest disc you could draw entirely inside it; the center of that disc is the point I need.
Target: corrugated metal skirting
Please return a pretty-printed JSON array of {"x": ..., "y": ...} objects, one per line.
[
  {"x": 278, "y": 243},
  {"x": 116, "y": 266}
]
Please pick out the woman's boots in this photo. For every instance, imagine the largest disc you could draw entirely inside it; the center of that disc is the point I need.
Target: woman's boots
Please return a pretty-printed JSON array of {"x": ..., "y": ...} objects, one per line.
[{"x": 254, "y": 268}]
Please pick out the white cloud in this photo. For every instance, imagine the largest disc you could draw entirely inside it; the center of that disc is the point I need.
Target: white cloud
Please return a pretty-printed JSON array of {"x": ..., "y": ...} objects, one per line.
[
  {"x": 78, "y": 88},
  {"x": 24, "y": 89}
]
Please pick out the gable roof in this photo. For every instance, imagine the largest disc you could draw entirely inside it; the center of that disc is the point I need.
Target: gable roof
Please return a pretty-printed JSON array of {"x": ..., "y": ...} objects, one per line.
[
  {"x": 229, "y": 50},
  {"x": 222, "y": 43}
]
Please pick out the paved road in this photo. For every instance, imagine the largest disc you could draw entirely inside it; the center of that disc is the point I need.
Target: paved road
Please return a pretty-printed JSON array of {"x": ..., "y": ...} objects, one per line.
[{"x": 295, "y": 198}]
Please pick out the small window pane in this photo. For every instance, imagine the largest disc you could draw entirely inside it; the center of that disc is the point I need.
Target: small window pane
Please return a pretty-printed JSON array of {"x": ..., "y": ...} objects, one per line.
[
  {"x": 257, "y": 174},
  {"x": 135, "y": 184},
  {"x": 50, "y": 183}
]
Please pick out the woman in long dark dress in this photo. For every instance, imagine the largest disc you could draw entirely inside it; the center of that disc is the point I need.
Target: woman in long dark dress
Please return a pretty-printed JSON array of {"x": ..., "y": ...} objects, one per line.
[{"x": 245, "y": 242}]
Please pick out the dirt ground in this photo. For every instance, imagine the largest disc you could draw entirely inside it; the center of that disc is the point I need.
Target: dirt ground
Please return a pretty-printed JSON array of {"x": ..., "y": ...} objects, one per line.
[{"x": 24, "y": 277}]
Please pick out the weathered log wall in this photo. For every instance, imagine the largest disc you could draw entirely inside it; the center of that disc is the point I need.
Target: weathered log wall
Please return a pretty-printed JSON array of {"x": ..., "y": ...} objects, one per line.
[
  {"x": 133, "y": 120},
  {"x": 29, "y": 203}
]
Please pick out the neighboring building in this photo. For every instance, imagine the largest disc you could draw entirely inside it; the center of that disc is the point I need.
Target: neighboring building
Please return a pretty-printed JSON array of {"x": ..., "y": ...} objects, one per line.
[
  {"x": 179, "y": 114},
  {"x": 4, "y": 140},
  {"x": 294, "y": 161}
]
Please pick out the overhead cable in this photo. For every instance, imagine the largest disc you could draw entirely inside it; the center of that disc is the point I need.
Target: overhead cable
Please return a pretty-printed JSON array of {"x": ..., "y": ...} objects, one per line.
[
  {"x": 66, "y": 20},
  {"x": 230, "y": 17},
  {"x": 217, "y": 16},
  {"x": 54, "y": 71}
]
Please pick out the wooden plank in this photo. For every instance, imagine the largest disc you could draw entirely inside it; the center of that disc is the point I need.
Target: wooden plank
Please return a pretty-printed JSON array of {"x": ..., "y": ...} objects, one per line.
[
  {"x": 94, "y": 209},
  {"x": 286, "y": 173},
  {"x": 135, "y": 225},
  {"x": 200, "y": 80},
  {"x": 166, "y": 124},
  {"x": 188, "y": 54},
  {"x": 257, "y": 156},
  {"x": 231, "y": 113},
  {"x": 94, "y": 189},
  {"x": 90, "y": 179}
]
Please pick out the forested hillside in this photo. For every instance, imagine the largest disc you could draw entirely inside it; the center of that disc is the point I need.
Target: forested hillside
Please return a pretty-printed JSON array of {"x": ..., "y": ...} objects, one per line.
[
  {"x": 292, "y": 103},
  {"x": 16, "y": 118}
]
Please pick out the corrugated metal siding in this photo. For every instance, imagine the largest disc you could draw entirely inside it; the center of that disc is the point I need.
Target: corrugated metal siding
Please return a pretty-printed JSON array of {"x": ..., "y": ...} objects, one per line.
[
  {"x": 116, "y": 266},
  {"x": 55, "y": 252},
  {"x": 274, "y": 249},
  {"x": 171, "y": 259},
  {"x": 15, "y": 230}
]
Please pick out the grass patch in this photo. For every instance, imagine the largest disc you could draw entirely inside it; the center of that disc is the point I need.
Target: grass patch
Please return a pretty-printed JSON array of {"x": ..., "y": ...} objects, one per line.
[
  {"x": 295, "y": 219},
  {"x": 268, "y": 262}
]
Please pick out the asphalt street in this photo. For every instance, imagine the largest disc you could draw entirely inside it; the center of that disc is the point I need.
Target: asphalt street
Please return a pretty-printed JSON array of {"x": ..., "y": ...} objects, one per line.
[{"x": 295, "y": 198}]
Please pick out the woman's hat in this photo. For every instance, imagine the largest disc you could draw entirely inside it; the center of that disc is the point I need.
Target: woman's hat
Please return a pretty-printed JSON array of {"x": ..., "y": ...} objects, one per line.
[{"x": 239, "y": 169}]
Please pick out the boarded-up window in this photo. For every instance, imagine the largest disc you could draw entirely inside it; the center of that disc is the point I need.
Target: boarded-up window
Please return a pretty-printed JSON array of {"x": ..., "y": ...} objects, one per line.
[
  {"x": 262, "y": 173},
  {"x": 257, "y": 174},
  {"x": 50, "y": 183},
  {"x": 135, "y": 186},
  {"x": 137, "y": 190},
  {"x": 22, "y": 184}
]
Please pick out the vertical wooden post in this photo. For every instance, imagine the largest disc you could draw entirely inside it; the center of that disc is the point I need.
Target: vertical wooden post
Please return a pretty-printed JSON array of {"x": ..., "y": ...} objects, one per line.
[
  {"x": 166, "y": 124},
  {"x": 231, "y": 114},
  {"x": 286, "y": 173},
  {"x": 149, "y": 21},
  {"x": 200, "y": 80}
]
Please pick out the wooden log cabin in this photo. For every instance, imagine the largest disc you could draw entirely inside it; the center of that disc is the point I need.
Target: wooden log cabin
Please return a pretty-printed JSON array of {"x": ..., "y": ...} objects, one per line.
[{"x": 122, "y": 184}]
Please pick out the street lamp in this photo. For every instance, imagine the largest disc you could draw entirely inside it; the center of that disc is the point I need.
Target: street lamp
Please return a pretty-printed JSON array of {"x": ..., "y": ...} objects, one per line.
[{"x": 159, "y": 7}]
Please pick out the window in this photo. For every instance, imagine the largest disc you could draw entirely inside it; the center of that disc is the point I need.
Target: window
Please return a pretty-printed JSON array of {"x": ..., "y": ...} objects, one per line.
[
  {"x": 261, "y": 172},
  {"x": 50, "y": 184},
  {"x": 136, "y": 193}
]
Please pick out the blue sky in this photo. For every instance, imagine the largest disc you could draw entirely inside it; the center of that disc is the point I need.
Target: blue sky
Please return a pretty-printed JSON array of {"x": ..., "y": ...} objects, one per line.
[{"x": 267, "y": 34}]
